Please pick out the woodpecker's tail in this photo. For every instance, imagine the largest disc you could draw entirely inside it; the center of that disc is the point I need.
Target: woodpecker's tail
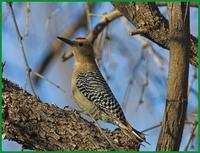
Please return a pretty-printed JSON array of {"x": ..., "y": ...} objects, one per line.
[
  {"x": 129, "y": 130},
  {"x": 139, "y": 135}
]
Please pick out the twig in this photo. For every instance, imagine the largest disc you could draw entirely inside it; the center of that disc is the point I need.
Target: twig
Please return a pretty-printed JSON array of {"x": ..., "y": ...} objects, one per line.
[
  {"x": 108, "y": 44},
  {"x": 25, "y": 81},
  {"x": 130, "y": 82},
  {"x": 87, "y": 11},
  {"x": 28, "y": 69},
  {"x": 194, "y": 77},
  {"x": 153, "y": 127},
  {"x": 145, "y": 82},
  {"x": 51, "y": 82},
  {"x": 195, "y": 92},
  {"x": 107, "y": 18},
  {"x": 97, "y": 15},
  {"x": 99, "y": 47},
  {"x": 191, "y": 135},
  {"x": 156, "y": 57},
  {"x": 3, "y": 65},
  {"x": 50, "y": 17},
  {"x": 27, "y": 19},
  {"x": 190, "y": 122},
  {"x": 158, "y": 125}
]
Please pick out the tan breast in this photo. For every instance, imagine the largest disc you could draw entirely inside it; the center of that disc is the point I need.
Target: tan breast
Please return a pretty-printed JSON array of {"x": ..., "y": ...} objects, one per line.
[{"x": 85, "y": 105}]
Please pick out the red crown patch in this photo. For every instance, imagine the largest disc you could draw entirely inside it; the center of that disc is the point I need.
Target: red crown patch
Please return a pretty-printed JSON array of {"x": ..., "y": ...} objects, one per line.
[{"x": 81, "y": 39}]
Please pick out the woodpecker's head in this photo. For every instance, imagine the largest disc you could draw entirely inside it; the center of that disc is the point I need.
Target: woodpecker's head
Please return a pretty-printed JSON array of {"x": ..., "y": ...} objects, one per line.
[{"x": 82, "y": 48}]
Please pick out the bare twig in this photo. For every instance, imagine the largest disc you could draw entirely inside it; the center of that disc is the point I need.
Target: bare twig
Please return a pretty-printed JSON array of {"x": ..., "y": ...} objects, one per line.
[
  {"x": 28, "y": 69},
  {"x": 27, "y": 19},
  {"x": 158, "y": 125},
  {"x": 102, "y": 24},
  {"x": 145, "y": 82},
  {"x": 156, "y": 57},
  {"x": 87, "y": 11},
  {"x": 51, "y": 15},
  {"x": 25, "y": 80},
  {"x": 108, "y": 44},
  {"x": 99, "y": 47},
  {"x": 153, "y": 127},
  {"x": 130, "y": 82},
  {"x": 194, "y": 77},
  {"x": 96, "y": 15},
  {"x": 147, "y": 45},
  {"x": 51, "y": 82},
  {"x": 195, "y": 92},
  {"x": 191, "y": 135},
  {"x": 3, "y": 65}
]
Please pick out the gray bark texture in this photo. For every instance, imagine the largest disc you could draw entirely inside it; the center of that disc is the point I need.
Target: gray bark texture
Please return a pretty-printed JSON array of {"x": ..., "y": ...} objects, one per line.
[
  {"x": 147, "y": 18},
  {"x": 40, "y": 126}
]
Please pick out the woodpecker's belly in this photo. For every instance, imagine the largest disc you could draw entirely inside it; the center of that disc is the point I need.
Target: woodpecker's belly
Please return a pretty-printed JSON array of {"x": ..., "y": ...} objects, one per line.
[
  {"x": 85, "y": 105},
  {"x": 89, "y": 108}
]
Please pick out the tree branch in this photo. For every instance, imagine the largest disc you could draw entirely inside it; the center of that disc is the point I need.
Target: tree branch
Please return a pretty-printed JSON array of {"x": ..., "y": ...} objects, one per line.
[
  {"x": 20, "y": 38},
  {"x": 92, "y": 36},
  {"x": 40, "y": 126},
  {"x": 107, "y": 18},
  {"x": 146, "y": 15}
]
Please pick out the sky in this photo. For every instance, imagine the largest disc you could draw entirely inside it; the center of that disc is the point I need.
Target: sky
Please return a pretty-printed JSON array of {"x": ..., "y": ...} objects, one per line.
[{"x": 120, "y": 54}]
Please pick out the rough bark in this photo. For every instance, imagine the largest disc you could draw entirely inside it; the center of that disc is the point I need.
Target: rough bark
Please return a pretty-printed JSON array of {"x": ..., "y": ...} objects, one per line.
[
  {"x": 176, "y": 104},
  {"x": 40, "y": 126},
  {"x": 147, "y": 18},
  {"x": 192, "y": 4}
]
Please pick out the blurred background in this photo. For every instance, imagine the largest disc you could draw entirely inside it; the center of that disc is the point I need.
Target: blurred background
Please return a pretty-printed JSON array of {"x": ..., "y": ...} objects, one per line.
[{"x": 136, "y": 69}]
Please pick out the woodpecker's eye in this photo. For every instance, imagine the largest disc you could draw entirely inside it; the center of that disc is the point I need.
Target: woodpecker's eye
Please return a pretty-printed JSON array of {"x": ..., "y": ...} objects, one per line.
[{"x": 80, "y": 44}]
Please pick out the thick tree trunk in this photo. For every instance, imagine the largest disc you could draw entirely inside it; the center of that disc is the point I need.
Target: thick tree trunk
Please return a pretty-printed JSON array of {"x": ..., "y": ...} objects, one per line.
[
  {"x": 176, "y": 104},
  {"x": 40, "y": 126}
]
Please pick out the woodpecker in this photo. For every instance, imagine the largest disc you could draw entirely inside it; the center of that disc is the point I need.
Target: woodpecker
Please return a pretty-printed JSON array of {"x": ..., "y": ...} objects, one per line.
[{"x": 92, "y": 93}]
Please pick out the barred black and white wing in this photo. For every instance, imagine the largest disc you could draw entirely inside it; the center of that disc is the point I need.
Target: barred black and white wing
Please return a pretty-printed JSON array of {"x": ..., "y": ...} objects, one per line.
[{"x": 94, "y": 87}]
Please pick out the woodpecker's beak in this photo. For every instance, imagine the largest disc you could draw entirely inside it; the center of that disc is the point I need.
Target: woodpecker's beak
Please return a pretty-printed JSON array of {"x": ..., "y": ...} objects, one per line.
[{"x": 67, "y": 41}]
